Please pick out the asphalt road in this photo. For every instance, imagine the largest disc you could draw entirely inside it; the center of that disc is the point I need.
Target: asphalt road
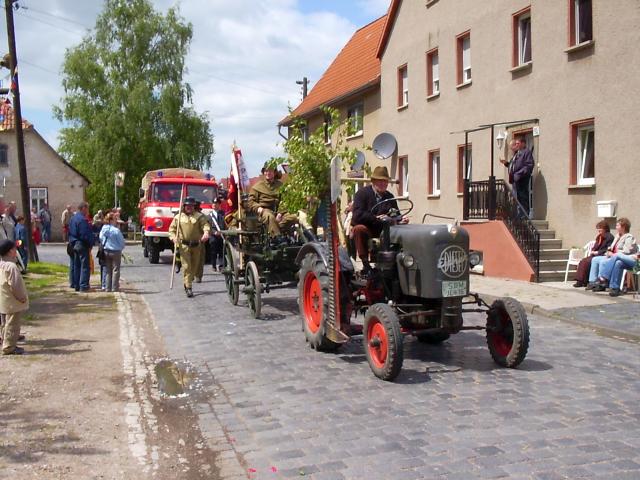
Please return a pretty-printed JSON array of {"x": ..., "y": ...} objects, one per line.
[{"x": 277, "y": 409}]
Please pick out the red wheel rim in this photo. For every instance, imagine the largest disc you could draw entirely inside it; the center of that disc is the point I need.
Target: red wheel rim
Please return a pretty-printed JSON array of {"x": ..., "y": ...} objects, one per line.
[
  {"x": 503, "y": 340},
  {"x": 377, "y": 342},
  {"x": 312, "y": 298}
]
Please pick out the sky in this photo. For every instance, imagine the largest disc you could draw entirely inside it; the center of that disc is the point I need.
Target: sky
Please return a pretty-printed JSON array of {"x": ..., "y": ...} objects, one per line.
[{"x": 244, "y": 60}]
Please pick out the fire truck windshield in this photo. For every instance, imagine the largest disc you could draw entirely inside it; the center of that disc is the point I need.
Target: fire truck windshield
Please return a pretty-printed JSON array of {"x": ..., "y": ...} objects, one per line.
[{"x": 170, "y": 193}]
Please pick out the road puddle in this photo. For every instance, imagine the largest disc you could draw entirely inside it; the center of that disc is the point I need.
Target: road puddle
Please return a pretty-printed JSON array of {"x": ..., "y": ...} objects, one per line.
[{"x": 173, "y": 379}]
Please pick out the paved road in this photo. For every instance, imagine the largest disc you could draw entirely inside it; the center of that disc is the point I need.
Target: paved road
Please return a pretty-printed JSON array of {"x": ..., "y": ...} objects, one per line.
[{"x": 285, "y": 411}]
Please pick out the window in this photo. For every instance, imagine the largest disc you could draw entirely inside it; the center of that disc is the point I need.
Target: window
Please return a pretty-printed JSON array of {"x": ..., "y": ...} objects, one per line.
[
  {"x": 37, "y": 197},
  {"x": 355, "y": 119},
  {"x": 4, "y": 157},
  {"x": 304, "y": 133},
  {"x": 403, "y": 86},
  {"x": 461, "y": 163},
  {"x": 464, "y": 58},
  {"x": 522, "y": 37},
  {"x": 403, "y": 170},
  {"x": 433, "y": 73},
  {"x": 580, "y": 22},
  {"x": 583, "y": 153},
  {"x": 434, "y": 173},
  {"x": 327, "y": 129}
]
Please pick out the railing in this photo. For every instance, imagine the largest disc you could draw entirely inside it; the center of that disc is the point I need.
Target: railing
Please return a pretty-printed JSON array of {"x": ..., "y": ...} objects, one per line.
[{"x": 510, "y": 212}]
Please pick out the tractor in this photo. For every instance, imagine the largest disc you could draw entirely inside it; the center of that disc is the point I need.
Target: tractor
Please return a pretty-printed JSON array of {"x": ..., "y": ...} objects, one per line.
[{"x": 419, "y": 287}]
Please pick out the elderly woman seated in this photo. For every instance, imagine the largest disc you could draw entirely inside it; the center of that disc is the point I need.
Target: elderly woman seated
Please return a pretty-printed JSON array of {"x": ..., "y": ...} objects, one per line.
[
  {"x": 602, "y": 242},
  {"x": 624, "y": 245},
  {"x": 611, "y": 272}
]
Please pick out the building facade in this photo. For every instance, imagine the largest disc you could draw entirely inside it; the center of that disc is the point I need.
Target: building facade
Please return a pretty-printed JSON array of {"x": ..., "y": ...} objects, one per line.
[{"x": 568, "y": 67}]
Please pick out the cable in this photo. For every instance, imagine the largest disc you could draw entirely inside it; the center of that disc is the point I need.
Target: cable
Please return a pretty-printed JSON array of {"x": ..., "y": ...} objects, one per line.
[
  {"x": 56, "y": 16},
  {"x": 64, "y": 29},
  {"x": 22, "y": 60}
]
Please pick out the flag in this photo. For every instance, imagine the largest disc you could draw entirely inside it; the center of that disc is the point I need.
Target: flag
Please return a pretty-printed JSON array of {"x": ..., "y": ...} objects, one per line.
[{"x": 241, "y": 170}]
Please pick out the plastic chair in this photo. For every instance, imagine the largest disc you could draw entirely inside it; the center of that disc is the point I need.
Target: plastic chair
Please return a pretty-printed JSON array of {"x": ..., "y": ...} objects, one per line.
[{"x": 577, "y": 254}]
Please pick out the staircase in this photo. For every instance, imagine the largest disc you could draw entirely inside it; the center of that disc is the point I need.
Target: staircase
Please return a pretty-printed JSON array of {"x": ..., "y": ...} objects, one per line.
[{"x": 553, "y": 258}]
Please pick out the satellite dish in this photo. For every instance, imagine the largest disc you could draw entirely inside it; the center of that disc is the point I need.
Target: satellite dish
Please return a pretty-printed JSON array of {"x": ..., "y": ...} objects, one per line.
[
  {"x": 359, "y": 163},
  {"x": 384, "y": 145}
]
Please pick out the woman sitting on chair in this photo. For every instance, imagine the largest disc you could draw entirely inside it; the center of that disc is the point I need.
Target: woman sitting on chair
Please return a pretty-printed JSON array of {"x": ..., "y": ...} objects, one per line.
[
  {"x": 602, "y": 242},
  {"x": 624, "y": 243}
]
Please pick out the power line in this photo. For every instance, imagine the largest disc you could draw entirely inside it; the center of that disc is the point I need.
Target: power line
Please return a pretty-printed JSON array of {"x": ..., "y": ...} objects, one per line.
[
  {"x": 39, "y": 67},
  {"x": 59, "y": 17},
  {"x": 59, "y": 27}
]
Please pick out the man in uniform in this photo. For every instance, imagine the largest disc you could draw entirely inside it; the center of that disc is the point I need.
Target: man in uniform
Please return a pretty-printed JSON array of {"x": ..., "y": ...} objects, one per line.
[
  {"x": 192, "y": 228},
  {"x": 264, "y": 197}
]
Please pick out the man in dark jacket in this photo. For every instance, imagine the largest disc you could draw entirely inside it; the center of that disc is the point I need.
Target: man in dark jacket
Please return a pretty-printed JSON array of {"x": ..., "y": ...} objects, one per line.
[
  {"x": 216, "y": 241},
  {"x": 367, "y": 221},
  {"x": 81, "y": 240},
  {"x": 520, "y": 169}
]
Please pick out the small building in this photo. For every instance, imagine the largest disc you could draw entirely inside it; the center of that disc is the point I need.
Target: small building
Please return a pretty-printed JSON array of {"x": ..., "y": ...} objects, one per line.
[{"x": 52, "y": 179}]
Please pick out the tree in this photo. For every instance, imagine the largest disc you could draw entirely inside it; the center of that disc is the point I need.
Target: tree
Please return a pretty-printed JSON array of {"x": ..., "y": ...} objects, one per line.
[
  {"x": 125, "y": 106},
  {"x": 309, "y": 159}
]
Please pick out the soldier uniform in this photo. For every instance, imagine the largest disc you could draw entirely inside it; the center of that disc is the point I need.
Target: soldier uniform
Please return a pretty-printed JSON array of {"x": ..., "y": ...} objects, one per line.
[
  {"x": 193, "y": 226},
  {"x": 265, "y": 195}
]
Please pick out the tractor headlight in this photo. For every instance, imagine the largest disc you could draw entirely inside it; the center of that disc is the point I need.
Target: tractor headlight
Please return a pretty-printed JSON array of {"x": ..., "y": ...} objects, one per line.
[
  {"x": 474, "y": 259},
  {"x": 158, "y": 222},
  {"x": 408, "y": 261}
]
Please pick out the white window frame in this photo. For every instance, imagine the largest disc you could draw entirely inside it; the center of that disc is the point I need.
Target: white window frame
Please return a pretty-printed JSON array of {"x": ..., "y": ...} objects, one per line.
[
  {"x": 466, "y": 59},
  {"x": 327, "y": 127},
  {"x": 523, "y": 38},
  {"x": 576, "y": 23},
  {"x": 355, "y": 116},
  {"x": 40, "y": 200},
  {"x": 435, "y": 74},
  {"x": 404, "y": 71},
  {"x": 404, "y": 172},
  {"x": 583, "y": 145},
  {"x": 435, "y": 173}
]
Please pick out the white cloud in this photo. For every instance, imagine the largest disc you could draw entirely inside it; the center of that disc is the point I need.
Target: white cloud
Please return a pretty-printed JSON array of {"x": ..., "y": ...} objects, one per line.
[{"x": 245, "y": 58}]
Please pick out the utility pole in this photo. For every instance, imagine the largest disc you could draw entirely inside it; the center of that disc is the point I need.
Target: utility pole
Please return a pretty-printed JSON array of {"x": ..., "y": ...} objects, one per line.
[
  {"x": 305, "y": 86},
  {"x": 17, "y": 115}
]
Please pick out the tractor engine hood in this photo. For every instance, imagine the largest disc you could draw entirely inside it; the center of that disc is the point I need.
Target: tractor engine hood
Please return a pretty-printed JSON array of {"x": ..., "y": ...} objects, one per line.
[{"x": 440, "y": 254}]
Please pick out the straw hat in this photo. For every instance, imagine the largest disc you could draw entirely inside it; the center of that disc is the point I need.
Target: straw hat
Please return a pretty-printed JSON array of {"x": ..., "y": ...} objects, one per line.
[{"x": 380, "y": 173}]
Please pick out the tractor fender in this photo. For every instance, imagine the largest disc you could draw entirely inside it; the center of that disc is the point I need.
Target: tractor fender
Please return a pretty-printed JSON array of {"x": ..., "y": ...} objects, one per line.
[{"x": 322, "y": 251}]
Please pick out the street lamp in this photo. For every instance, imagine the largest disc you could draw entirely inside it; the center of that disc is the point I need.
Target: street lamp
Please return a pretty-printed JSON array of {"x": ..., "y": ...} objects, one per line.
[{"x": 500, "y": 139}]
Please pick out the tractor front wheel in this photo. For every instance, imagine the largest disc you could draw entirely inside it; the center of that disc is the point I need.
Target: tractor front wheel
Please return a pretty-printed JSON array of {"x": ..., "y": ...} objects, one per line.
[
  {"x": 507, "y": 332},
  {"x": 383, "y": 341},
  {"x": 313, "y": 294}
]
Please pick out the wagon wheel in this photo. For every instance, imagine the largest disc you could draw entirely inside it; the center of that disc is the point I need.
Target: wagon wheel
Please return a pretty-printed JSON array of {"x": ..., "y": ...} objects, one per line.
[
  {"x": 313, "y": 295},
  {"x": 383, "y": 341},
  {"x": 231, "y": 272},
  {"x": 253, "y": 289},
  {"x": 507, "y": 332}
]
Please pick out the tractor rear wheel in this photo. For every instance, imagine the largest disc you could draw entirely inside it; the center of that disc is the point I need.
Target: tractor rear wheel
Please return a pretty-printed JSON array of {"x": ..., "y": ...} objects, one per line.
[
  {"x": 507, "y": 332},
  {"x": 432, "y": 338},
  {"x": 231, "y": 273},
  {"x": 253, "y": 289},
  {"x": 313, "y": 294},
  {"x": 383, "y": 341}
]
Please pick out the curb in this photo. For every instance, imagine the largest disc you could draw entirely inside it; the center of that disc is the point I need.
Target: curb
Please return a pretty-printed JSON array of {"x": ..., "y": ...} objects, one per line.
[{"x": 534, "y": 309}]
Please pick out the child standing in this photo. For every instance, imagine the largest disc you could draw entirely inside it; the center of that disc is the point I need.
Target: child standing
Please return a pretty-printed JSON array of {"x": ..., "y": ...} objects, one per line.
[{"x": 13, "y": 297}]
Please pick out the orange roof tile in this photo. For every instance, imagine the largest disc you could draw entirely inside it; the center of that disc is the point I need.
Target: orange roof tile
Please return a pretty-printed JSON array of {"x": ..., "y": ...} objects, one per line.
[{"x": 356, "y": 67}]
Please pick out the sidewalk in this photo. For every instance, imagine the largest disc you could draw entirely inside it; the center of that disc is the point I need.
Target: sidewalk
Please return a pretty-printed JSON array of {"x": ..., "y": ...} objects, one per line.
[{"x": 619, "y": 316}]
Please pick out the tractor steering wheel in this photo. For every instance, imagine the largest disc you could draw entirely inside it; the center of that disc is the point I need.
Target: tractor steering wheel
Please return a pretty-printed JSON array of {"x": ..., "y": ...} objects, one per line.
[{"x": 395, "y": 213}]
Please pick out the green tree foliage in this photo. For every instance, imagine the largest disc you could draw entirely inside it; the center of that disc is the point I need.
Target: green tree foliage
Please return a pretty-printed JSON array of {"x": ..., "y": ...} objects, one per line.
[
  {"x": 125, "y": 106},
  {"x": 310, "y": 159}
]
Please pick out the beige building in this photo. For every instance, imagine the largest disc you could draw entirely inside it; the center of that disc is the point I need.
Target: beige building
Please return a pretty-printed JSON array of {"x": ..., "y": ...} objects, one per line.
[
  {"x": 51, "y": 179},
  {"x": 571, "y": 66},
  {"x": 351, "y": 84}
]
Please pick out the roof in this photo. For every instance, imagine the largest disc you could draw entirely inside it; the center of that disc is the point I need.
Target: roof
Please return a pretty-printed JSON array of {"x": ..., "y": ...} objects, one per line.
[
  {"x": 7, "y": 120},
  {"x": 390, "y": 17},
  {"x": 356, "y": 68}
]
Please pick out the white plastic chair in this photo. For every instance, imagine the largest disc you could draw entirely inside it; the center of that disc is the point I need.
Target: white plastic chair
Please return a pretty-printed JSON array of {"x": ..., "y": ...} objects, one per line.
[{"x": 577, "y": 254}]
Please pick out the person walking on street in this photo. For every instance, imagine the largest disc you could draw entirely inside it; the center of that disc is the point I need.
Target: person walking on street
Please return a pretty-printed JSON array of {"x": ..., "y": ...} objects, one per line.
[
  {"x": 45, "y": 221},
  {"x": 520, "y": 169},
  {"x": 202, "y": 254},
  {"x": 81, "y": 237},
  {"x": 9, "y": 221},
  {"x": 64, "y": 220},
  {"x": 191, "y": 228},
  {"x": 216, "y": 241},
  {"x": 21, "y": 239},
  {"x": 13, "y": 298},
  {"x": 112, "y": 242}
]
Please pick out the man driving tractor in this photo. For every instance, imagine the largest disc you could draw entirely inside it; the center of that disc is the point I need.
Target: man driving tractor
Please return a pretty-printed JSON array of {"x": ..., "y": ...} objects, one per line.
[
  {"x": 264, "y": 199},
  {"x": 367, "y": 221}
]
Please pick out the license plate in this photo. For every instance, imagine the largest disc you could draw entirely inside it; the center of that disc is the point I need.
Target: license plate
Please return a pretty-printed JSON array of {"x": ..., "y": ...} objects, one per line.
[{"x": 457, "y": 288}]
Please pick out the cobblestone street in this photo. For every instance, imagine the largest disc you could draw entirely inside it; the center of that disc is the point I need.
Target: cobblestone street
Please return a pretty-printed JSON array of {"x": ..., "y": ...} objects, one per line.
[{"x": 277, "y": 409}]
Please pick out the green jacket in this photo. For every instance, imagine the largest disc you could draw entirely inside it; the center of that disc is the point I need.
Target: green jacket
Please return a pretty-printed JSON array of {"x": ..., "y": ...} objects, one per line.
[
  {"x": 192, "y": 227},
  {"x": 266, "y": 195}
]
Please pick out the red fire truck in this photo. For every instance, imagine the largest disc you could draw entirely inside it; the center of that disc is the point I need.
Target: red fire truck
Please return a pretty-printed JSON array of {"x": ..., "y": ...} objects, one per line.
[{"x": 160, "y": 201}]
